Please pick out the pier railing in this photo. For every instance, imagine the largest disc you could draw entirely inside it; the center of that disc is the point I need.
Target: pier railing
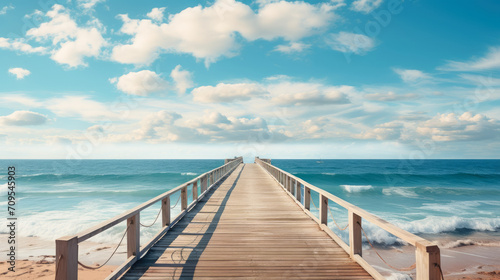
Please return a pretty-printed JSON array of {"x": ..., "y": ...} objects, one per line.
[
  {"x": 67, "y": 247},
  {"x": 427, "y": 255}
]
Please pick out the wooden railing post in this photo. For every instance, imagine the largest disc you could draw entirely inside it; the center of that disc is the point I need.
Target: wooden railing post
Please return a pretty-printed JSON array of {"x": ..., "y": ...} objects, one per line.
[
  {"x": 323, "y": 209},
  {"x": 203, "y": 183},
  {"x": 298, "y": 193},
  {"x": 355, "y": 234},
  {"x": 291, "y": 188},
  {"x": 307, "y": 198},
  {"x": 428, "y": 261},
  {"x": 133, "y": 236},
  {"x": 195, "y": 191},
  {"x": 184, "y": 198},
  {"x": 67, "y": 258},
  {"x": 165, "y": 211}
]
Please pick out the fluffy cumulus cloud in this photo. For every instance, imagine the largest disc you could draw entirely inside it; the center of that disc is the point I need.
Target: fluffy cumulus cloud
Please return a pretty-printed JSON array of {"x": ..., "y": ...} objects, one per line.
[
  {"x": 228, "y": 92},
  {"x": 308, "y": 94},
  {"x": 140, "y": 83},
  {"x": 156, "y": 14},
  {"x": 20, "y": 45},
  {"x": 293, "y": 47},
  {"x": 218, "y": 127},
  {"x": 386, "y": 131},
  {"x": 23, "y": 118},
  {"x": 20, "y": 73},
  {"x": 347, "y": 42},
  {"x": 411, "y": 76},
  {"x": 456, "y": 127},
  {"x": 159, "y": 125},
  {"x": 365, "y": 6},
  {"x": 490, "y": 61},
  {"x": 213, "y": 29},
  {"x": 70, "y": 42},
  {"x": 182, "y": 79}
]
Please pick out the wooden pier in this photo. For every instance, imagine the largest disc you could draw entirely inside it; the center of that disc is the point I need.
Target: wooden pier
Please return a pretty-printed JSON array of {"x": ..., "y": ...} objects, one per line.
[{"x": 248, "y": 221}]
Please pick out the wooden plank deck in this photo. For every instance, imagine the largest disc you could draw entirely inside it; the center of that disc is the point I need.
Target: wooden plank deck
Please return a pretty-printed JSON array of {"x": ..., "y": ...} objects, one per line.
[{"x": 247, "y": 228}]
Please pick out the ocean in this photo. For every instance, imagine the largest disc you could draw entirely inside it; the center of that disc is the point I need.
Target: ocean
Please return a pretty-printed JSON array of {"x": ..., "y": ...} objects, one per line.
[{"x": 448, "y": 199}]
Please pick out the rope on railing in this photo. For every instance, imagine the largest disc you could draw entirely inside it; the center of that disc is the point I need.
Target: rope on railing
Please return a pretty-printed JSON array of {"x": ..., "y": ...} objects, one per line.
[
  {"x": 312, "y": 200},
  {"x": 410, "y": 268},
  {"x": 440, "y": 270},
  {"x": 158, "y": 215},
  {"x": 178, "y": 199},
  {"x": 331, "y": 213},
  {"x": 57, "y": 263},
  {"x": 97, "y": 267}
]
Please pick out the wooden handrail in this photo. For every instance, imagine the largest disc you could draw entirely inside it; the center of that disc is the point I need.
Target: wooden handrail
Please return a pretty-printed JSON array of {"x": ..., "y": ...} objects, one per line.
[
  {"x": 67, "y": 247},
  {"x": 427, "y": 254}
]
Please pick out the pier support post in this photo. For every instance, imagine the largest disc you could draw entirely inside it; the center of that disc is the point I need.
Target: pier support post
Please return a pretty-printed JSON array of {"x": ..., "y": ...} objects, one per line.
[
  {"x": 323, "y": 209},
  {"x": 184, "y": 198},
  {"x": 203, "y": 183},
  {"x": 67, "y": 258},
  {"x": 355, "y": 234},
  {"x": 298, "y": 193},
  {"x": 133, "y": 236},
  {"x": 165, "y": 211},
  {"x": 307, "y": 198},
  {"x": 428, "y": 261},
  {"x": 195, "y": 191}
]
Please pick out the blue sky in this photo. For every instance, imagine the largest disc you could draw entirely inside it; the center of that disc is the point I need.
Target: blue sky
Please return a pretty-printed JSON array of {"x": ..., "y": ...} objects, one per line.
[{"x": 281, "y": 79}]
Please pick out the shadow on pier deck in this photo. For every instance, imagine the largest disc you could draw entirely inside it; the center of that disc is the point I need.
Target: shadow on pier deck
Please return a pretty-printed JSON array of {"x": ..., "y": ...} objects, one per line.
[{"x": 246, "y": 228}]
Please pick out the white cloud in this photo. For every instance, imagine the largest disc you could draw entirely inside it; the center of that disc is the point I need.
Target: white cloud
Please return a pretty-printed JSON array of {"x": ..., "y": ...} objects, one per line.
[
  {"x": 295, "y": 93},
  {"x": 20, "y": 73},
  {"x": 365, "y": 6},
  {"x": 4, "y": 10},
  {"x": 79, "y": 106},
  {"x": 140, "y": 83},
  {"x": 490, "y": 61},
  {"x": 455, "y": 127},
  {"x": 89, "y": 4},
  {"x": 156, "y": 14},
  {"x": 20, "y": 99},
  {"x": 20, "y": 45},
  {"x": 208, "y": 33},
  {"x": 350, "y": 42},
  {"x": 182, "y": 79},
  {"x": 71, "y": 43},
  {"x": 155, "y": 124},
  {"x": 227, "y": 92},
  {"x": 23, "y": 118},
  {"x": 293, "y": 47},
  {"x": 390, "y": 96},
  {"x": 411, "y": 76},
  {"x": 386, "y": 131}
]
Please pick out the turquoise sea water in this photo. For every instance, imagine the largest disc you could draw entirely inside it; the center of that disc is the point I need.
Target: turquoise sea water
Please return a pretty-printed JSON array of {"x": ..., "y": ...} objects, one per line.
[{"x": 439, "y": 197}]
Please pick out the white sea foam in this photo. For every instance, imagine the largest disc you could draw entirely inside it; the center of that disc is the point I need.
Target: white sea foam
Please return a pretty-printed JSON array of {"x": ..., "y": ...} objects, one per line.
[
  {"x": 330, "y": 174},
  {"x": 189, "y": 174},
  {"x": 406, "y": 192},
  {"x": 468, "y": 242},
  {"x": 356, "y": 188},
  {"x": 430, "y": 225},
  {"x": 49, "y": 225},
  {"x": 455, "y": 207},
  {"x": 435, "y": 224}
]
